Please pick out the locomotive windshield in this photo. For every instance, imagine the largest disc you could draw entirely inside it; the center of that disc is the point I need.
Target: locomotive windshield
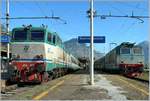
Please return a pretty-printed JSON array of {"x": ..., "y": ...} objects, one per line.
[
  {"x": 137, "y": 50},
  {"x": 20, "y": 35},
  {"x": 37, "y": 35},
  {"x": 125, "y": 50}
]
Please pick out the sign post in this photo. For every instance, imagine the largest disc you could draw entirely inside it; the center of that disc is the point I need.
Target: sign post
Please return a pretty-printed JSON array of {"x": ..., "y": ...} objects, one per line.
[
  {"x": 5, "y": 39},
  {"x": 87, "y": 39},
  {"x": 91, "y": 14}
]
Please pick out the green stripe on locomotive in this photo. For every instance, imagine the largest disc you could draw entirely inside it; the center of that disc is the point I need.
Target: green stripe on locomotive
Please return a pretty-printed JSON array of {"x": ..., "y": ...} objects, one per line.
[{"x": 51, "y": 66}]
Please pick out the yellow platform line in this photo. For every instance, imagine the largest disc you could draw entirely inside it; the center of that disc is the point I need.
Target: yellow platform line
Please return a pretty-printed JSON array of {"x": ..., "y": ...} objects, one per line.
[
  {"x": 38, "y": 97},
  {"x": 140, "y": 89}
]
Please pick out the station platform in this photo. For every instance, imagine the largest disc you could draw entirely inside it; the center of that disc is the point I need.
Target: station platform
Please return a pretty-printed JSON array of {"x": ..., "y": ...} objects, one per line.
[{"x": 76, "y": 86}]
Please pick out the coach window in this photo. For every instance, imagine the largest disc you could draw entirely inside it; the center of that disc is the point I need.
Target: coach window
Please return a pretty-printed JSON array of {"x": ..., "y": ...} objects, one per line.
[
  {"x": 54, "y": 39},
  {"x": 49, "y": 38}
]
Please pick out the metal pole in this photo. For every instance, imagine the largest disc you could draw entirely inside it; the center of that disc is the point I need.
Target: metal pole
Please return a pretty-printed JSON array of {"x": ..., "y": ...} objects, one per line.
[
  {"x": 7, "y": 25},
  {"x": 91, "y": 45},
  {"x": 111, "y": 44}
]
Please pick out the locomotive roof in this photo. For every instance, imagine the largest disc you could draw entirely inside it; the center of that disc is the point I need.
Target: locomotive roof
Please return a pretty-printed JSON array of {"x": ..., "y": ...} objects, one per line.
[
  {"x": 36, "y": 28},
  {"x": 122, "y": 45},
  {"x": 127, "y": 44},
  {"x": 19, "y": 28}
]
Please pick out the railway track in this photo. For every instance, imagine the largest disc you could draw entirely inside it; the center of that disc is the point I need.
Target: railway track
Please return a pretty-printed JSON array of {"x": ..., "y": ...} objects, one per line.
[
  {"x": 141, "y": 80},
  {"x": 8, "y": 91},
  {"x": 145, "y": 82},
  {"x": 137, "y": 79},
  {"x": 14, "y": 89}
]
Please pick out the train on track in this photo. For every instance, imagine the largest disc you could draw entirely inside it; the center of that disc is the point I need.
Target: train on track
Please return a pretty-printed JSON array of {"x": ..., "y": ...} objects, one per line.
[
  {"x": 38, "y": 55},
  {"x": 127, "y": 59}
]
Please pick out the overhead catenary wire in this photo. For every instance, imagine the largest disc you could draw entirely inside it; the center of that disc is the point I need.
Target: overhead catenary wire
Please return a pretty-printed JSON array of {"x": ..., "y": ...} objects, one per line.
[
  {"x": 37, "y": 4},
  {"x": 123, "y": 16},
  {"x": 137, "y": 6},
  {"x": 115, "y": 8},
  {"x": 41, "y": 17},
  {"x": 132, "y": 24},
  {"x": 37, "y": 17},
  {"x": 43, "y": 11}
]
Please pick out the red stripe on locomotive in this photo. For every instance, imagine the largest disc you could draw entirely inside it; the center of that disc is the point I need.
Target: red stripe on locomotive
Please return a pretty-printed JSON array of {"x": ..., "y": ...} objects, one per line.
[
  {"x": 28, "y": 71},
  {"x": 131, "y": 65}
]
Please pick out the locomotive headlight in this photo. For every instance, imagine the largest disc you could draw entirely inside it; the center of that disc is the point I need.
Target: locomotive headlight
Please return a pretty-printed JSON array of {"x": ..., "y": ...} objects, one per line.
[
  {"x": 31, "y": 65},
  {"x": 31, "y": 68},
  {"x": 18, "y": 56},
  {"x": 37, "y": 57},
  {"x": 41, "y": 56},
  {"x": 140, "y": 62},
  {"x": 122, "y": 61},
  {"x": 15, "y": 56},
  {"x": 24, "y": 66},
  {"x": 15, "y": 67}
]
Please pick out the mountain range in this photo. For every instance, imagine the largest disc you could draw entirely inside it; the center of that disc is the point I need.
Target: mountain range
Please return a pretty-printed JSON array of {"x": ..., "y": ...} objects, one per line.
[{"x": 80, "y": 50}]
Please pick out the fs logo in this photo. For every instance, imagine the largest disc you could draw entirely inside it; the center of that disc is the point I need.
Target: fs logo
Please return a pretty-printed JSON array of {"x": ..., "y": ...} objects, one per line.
[{"x": 26, "y": 48}]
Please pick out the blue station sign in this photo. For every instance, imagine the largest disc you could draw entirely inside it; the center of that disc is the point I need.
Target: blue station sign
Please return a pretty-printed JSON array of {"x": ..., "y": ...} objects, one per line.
[
  {"x": 5, "y": 38},
  {"x": 87, "y": 39}
]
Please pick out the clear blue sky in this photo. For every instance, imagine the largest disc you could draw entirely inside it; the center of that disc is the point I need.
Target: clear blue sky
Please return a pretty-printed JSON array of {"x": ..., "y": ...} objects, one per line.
[{"x": 115, "y": 29}]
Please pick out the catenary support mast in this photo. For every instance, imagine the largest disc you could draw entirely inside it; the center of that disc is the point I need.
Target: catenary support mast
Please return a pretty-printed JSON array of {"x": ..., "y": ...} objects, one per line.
[
  {"x": 91, "y": 45},
  {"x": 7, "y": 25}
]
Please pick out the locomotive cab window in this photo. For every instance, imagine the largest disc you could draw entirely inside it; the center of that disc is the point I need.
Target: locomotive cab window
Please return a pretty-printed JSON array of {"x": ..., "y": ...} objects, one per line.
[
  {"x": 125, "y": 51},
  {"x": 137, "y": 50},
  {"x": 20, "y": 35},
  {"x": 37, "y": 35},
  {"x": 59, "y": 42},
  {"x": 54, "y": 39},
  {"x": 49, "y": 37}
]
